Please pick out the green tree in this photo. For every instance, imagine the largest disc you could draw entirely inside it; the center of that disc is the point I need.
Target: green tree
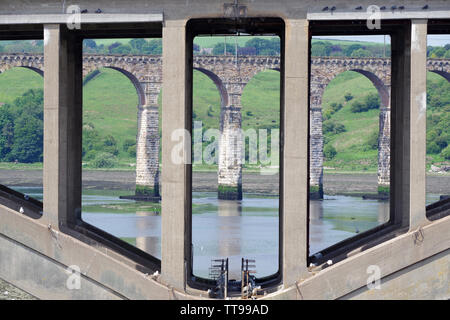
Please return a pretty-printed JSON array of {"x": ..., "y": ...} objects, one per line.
[
  {"x": 360, "y": 53},
  {"x": 28, "y": 139},
  {"x": 321, "y": 49},
  {"x": 372, "y": 101},
  {"x": 446, "y": 153},
  {"x": 219, "y": 48},
  {"x": 137, "y": 44},
  {"x": 329, "y": 152}
]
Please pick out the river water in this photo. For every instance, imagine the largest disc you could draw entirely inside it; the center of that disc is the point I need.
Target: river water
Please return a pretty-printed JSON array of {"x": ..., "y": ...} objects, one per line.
[{"x": 233, "y": 229}]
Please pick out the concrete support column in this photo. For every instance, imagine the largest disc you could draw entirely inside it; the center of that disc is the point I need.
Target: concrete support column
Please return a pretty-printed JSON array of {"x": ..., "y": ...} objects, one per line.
[
  {"x": 147, "y": 153},
  {"x": 176, "y": 155},
  {"x": 294, "y": 148},
  {"x": 316, "y": 154},
  {"x": 62, "y": 125},
  {"x": 409, "y": 57},
  {"x": 230, "y": 154}
]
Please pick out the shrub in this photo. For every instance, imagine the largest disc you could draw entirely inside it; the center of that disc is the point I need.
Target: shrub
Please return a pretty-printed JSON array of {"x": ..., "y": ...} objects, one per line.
[
  {"x": 132, "y": 151},
  {"x": 329, "y": 152},
  {"x": 372, "y": 142},
  {"x": 442, "y": 141},
  {"x": 432, "y": 147},
  {"x": 127, "y": 144},
  {"x": 358, "y": 107},
  {"x": 348, "y": 96},
  {"x": 329, "y": 126},
  {"x": 104, "y": 160},
  {"x": 446, "y": 153},
  {"x": 326, "y": 115},
  {"x": 336, "y": 107},
  {"x": 372, "y": 101},
  {"x": 338, "y": 128}
]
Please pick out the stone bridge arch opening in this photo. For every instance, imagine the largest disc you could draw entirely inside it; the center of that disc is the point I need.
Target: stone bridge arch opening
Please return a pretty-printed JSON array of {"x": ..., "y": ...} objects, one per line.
[
  {"x": 437, "y": 134},
  {"x": 133, "y": 79},
  {"x": 261, "y": 111},
  {"x": 25, "y": 145}
]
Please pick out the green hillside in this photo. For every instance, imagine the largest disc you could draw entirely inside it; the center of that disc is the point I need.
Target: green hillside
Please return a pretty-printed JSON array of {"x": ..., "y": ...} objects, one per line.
[{"x": 110, "y": 102}]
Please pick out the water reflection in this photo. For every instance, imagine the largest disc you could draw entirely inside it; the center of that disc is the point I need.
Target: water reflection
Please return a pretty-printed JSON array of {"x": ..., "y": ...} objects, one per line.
[
  {"x": 150, "y": 229},
  {"x": 234, "y": 229}
]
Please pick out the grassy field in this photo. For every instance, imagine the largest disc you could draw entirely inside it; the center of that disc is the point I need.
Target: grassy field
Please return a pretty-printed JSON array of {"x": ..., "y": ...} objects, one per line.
[{"x": 110, "y": 100}]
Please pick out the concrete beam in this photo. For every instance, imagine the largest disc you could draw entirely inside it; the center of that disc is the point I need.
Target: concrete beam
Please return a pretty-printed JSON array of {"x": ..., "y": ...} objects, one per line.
[
  {"x": 176, "y": 144},
  {"x": 62, "y": 126},
  {"x": 68, "y": 18},
  {"x": 294, "y": 200}
]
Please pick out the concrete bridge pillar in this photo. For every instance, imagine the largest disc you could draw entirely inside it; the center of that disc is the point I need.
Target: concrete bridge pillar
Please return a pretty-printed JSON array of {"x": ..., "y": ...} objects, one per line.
[
  {"x": 409, "y": 67},
  {"x": 62, "y": 126},
  {"x": 147, "y": 146},
  {"x": 294, "y": 198},
  {"x": 231, "y": 146},
  {"x": 176, "y": 233}
]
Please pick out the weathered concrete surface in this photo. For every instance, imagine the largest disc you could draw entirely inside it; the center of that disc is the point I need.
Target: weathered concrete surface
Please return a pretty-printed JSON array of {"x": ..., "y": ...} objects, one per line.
[{"x": 427, "y": 279}]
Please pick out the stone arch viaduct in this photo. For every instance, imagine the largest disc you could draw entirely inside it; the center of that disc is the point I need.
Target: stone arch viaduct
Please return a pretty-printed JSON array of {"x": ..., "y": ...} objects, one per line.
[{"x": 231, "y": 75}]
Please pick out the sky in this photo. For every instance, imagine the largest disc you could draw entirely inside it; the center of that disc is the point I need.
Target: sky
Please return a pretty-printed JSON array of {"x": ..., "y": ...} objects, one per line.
[{"x": 433, "y": 40}]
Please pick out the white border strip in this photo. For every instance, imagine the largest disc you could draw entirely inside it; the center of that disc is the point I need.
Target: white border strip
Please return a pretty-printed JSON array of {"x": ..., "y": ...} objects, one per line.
[
  {"x": 384, "y": 15},
  {"x": 85, "y": 18}
]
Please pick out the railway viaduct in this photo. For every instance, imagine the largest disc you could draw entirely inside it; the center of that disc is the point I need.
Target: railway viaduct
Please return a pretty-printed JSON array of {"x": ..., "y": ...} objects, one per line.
[
  {"x": 39, "y": 240},
  {"x": 231, "y": 75}
]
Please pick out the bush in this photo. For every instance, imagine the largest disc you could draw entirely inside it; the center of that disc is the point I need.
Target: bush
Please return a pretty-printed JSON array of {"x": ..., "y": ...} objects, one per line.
[
  {"x": 358, "y": 107},
  {"x": 326, "y": 115},
  {"x": 132, "y": 151},
  {"x": 327, "y": 126},
  {"x": 104, "y": 160},
  {"x": 127, "y": 144},
  {"x": 348, "y": 96},
  {"x": 432, "y": 147},
  {"x": 330, "y": 126},
  {"x": 372, "y": 142},
  {"x": 446, "y": 153},
  {"x": 442, "y": 141},
  {"x": 329, "y": 152},
  {"x": 336, "y": 107},
  {"x": 372, "y": 101}
]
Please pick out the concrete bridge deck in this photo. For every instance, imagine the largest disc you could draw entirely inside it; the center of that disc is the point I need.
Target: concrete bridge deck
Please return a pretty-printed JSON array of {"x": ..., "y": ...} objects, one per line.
[{"x": 411, "y": 252}]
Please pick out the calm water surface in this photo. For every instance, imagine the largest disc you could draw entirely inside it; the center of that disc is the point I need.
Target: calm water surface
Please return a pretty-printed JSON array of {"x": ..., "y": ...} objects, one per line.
[{"x": 233, "y": 229}]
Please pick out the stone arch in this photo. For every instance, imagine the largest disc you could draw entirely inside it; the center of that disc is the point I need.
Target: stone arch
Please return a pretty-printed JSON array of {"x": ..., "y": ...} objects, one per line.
[
  {"x": 219, "y": 84},
  {"x": 256, "y": 72},
  {"x": 137, "y": 85},
  {"x": 381, "y": 87},
  {"x": 444, "y": 74},
  {"x": 35, "y": 69}
]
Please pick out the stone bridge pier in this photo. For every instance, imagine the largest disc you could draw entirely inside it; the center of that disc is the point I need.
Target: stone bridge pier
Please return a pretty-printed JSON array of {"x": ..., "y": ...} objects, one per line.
[{"x": 147, "y": 142}]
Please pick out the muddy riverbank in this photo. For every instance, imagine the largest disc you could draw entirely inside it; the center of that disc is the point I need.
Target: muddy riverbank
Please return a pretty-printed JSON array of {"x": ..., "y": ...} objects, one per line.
[{"x": 336, "y": 183}]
